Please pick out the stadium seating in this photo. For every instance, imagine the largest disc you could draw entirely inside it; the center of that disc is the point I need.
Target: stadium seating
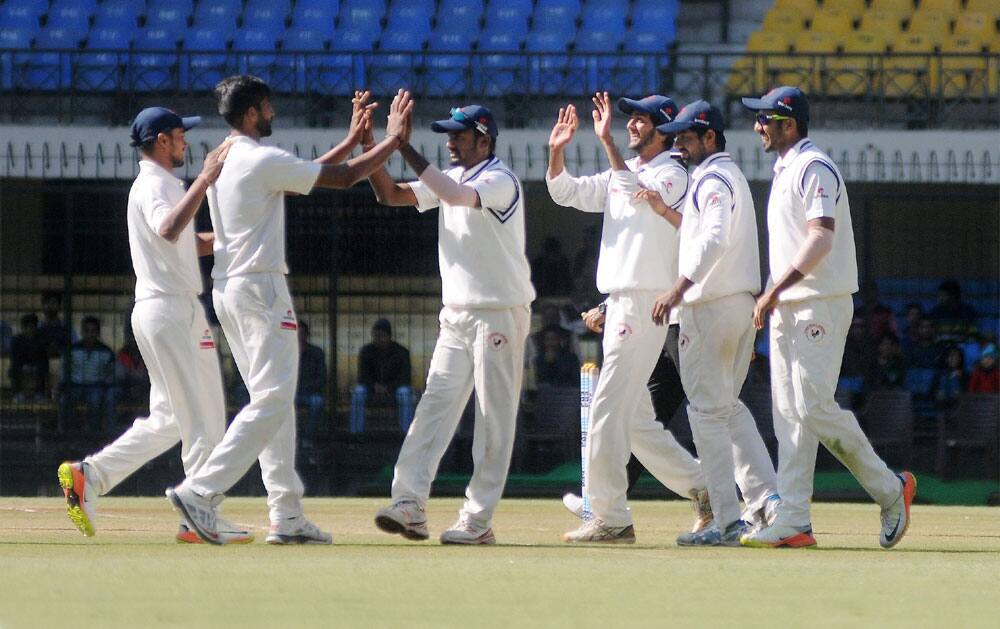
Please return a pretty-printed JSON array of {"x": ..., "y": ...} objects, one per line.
[
  {"x": 931, "y": 24},
  {"x": 152, "y": 70},
  {"x": 458, "y": 12},
  {"x": 783, "y": 22},
  {"x": 832, "y": 22},
  {"x": 317, "y": 15},
  {"x": 48, "y": 69},
  {"x": 220, "y": 14},
  {"x": 104, "y": 69},
  {"x": 964, "y": 75},
  {"x": 990, "y": 8},
  {"x": 207, "y": 65},
  {"x": 172, "y": 18},
  {"x": 22, "y": 15},
  {"x": 855, "y": 72},
  {"x": 547, "y": 70},
  {"x": 888, "y": 23},
  {"x": 119, "y": 13},
  {"x": 896, "y": 6},
  {"x": 854, "y": 8},
  {"x": 979, "y": 26},
  {"x": 946, "y": 7},
  {"x": 908, "y": 73},
  {"x": 73, "y": 19}
]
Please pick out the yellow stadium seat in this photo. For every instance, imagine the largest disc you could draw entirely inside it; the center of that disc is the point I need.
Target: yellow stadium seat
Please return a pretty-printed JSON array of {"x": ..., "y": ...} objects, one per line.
[
  {"x": 816, "y": 42},
  {"x": 963, "y": 76},
  {"x": 993, "y": 69},
  {"x": 987, "y": 7},
  {"x": 806, "y": 69},
  {"x": 909, "y": 71},
  {"x": 783, "y": 21},
  {"x": 764, "y": 41},
  {"x": 747, "y": 74},
  {"x": 854, "y": 8},
  {"x": 934, "y": 24},
  {"x": 855, "y": 71},
  {"x": 976, "y": 25},
  {"x": 830, "y": 21},
  {"x": 895, "y": 6},
  {"x": 889, "y": 23},
  {"x": 804, "y": 8},
  {"x": 949, "y": 7}
]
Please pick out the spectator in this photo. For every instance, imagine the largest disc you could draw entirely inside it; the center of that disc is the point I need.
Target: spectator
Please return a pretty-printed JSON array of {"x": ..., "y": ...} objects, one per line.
[
  {"x": 57, "y": 333},
  {"x": 553, "y": 318},
  {"x": 924, "y": 352},
  {"x": 890, "y": 367},
  {"x": 950, "y": 380},
  {"x": 913, "y": 313},
  {"x": 857, "y": 362},
  {"x": 383, "y": 370},
  {"x": 555, "y": 365},
  {"x": 92, "y": 377},
  {"x": 881, "y": 319},
  {"x": 29, "y": 362},
  {"x": 985, "y": 377},
  {"x": 132, "y": 375},
  {"x": 310, "y": 393},
  {"x": 956, "y": 320},
  {"x": 550, "y": 271}
]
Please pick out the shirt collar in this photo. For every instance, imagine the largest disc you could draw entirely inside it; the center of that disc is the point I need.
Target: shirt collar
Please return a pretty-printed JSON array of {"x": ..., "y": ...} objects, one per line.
[
  {"x": 150, "y": 167},
  {"x": 784, "y": 160},
  {"x": 659, "y": 160},
  {"x": 712, "y": 159},
  {"x": 474, "y": 171}
]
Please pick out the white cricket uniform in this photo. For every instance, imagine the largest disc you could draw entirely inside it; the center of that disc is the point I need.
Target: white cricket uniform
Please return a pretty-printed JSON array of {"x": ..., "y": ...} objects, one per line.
[
  {"x": 486, "y": 291},
  {"x": 718, "y": 252},
  {"x": 638, "y": 260},
  {"x": 247, "y": 205},
  {"x": 185, "y": 394},
  {"x": 808, "y": 332}
]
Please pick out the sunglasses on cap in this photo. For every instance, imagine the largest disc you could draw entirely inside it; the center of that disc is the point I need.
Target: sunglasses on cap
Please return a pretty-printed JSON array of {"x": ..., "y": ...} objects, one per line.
[
  {"x": 763, "y": 119},
  {"x": 459, "y": 116}
]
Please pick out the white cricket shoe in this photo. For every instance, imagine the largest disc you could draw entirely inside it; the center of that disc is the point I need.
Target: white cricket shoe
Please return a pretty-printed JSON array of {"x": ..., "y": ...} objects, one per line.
[
  {"x": 597, "y": 532},
  {"x": 229, "y": 532},
  {"x": 404, "y": 518},
  {"x": 465, "y": 532},
  {"x": 573, "y": 504},
  {"x": 199, "y": 512},
  {"x": 896, "y": 517},
  {"x": 779, "y": 536},
  {"x": 712, "y": 536},
  {"x": 80, "y": 496},
  {"x": 297, "y": 530},
  {"x": 703, "y": 517}
]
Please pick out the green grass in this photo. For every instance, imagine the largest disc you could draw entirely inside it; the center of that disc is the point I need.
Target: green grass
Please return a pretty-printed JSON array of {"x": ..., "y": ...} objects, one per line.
[{"x": 132, "y": 574}]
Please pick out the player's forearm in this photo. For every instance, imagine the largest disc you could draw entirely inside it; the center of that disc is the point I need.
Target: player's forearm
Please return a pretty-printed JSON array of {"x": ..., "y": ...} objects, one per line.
[
  {"x": 345, "y": 175},
  {"x": 182, "y": 213},
  {"x": 614, "y": 156},
  {"x": 339, "y": 153},
  {"x": 447, "y": 189},
  {"x": 557, "y": 162},
  {"x": 388, "y": 192},
  {"x": 818, "y": 243},
  {"x": 417, "y": 162},
  {"x": 204, "y": 243}
]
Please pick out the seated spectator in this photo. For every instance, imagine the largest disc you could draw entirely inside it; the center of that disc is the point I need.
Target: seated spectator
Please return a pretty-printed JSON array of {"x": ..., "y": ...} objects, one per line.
[
  {"x": 550, "y": 270},
  {"x": 383, "y": 371},
  {"x": 924, "y": 352},
  {"x": 92, "y": 377},
  {"x": 956, "y": 320},
  {"x": 310, "y": 393},
  {"x": 912, "y": 315},
  {"x": 556, "y": 365},
  {"x": 552, "y": 317},
  {"x": 881, "y": 319},
  {"x": 985, "y": 377},
  {"x": 890, "y": 367},
  {"x": 132, "y": 375},
  {"x": 950, "y": 380},
  {"x": 56, "y": 332},
  {"x": 29, "y": 362}
]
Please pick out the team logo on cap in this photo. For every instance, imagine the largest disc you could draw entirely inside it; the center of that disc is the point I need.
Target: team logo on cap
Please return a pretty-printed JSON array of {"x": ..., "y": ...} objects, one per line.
[
  {"x": 207, "y": 341},
  {"x": 815, "y": 332},
  {"x": 785, "y": 103},
  {"x": 288, "y": 321},
  {"x": 496, "y": 341},
  {"x": 668, "y": 113},
  {"x": 701, "y": 118}
]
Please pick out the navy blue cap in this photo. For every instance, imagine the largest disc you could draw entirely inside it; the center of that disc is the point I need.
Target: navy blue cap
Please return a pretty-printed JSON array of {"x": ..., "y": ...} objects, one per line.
[
  {"x": 786, "y": 100},
  {"x": 469, "y": 117},
  {"x": 661, "y": 109},
  {"x": 153, "y": 121},
  {"x": 697, "y": 115}
]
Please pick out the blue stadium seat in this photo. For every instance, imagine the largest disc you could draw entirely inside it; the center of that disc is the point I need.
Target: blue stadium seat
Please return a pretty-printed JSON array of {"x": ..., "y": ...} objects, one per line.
[
  {"x": 378, "y": 6},
  {"x": 318, "y": 15},
  {"x": 40, "y": 70},
  {"x": 602, "y": 17},
  {"x": 403, "y": 40},
  {"x": 173, "y": 18},
  {"x": 501, "y": 40},
  {"x": 661, "y": 14},
  {"x": 446, "y": 75},
  {"x": 419, "y": 24},
  {"x": 598, "y": 40},
  {"x": 14, "y": 38},
  {"x": 365, "y": 20},
  {"x": 556, "y": 11},
  {"x": 22, "y": 15},
  {"x": 70, "y": 26},
  {"x": 207, "y": 66},
  {"x": 507, "y": 17},
  {"x": 444, "y": 39},
  {"x": 411, "y": 10},
  {"x": 851, "y": 384},
  {"x": 119, "y": 13},
  {"x": 103, "y": 70},
  {"x": 266, "y": 18},
  {"x": 638, "y": 69},
  {"x": 221, "y": 14},
  {"x": 71, "y": 14},
  {"x": 646, "y": 41},
  {"x": 340, "y": 74},
  {"x": 256, "y": 55},
  {"x": 459, "y": 13},
  {"x": 298, "y": 39},
  {"x": 389, "y": 72},
  {"x": 548, "y": 71},
  {"x": 282, "y": 7},
  {"x": 155, "y": 63},
  {"x": 598, "y": 71}
]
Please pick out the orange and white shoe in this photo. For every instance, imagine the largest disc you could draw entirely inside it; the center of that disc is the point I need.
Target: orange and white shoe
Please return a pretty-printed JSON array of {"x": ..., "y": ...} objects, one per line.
[
  {"x": 229, "y": 533},
  {"x": 779, "y": 536},
  {"x": 896, "y": 517},
  {"x": 80, "y": 498}
]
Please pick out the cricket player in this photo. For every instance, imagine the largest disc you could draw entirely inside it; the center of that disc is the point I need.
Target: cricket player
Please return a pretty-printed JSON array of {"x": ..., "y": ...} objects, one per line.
[
  {"x": 638, "y": 258},
  {"x": 247, "y": 205},
  {"x": 813, "y": 275},
  {"x": 719, "y": 274},
  {"x": 486, "y": 292},
  {"x": 185, "y": 394}
]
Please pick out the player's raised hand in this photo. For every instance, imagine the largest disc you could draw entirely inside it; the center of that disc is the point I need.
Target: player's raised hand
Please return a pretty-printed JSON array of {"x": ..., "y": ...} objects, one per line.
[
  {"x": 212, "y": 167},
  {"x": 565, "y": 127},
  {"x": 368, "y": 133},
  {"x": 594, "y": 320},
  {"x": 361, "y": 110},
  {"x": 399, "y": 112},
  {"x": 602, "y": 115}
]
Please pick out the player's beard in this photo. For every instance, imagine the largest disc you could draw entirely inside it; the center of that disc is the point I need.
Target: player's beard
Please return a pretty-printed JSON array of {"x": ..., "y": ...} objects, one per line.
[
  {"x": 263, "y": 127},
  {"x": 177, "y": 161}
]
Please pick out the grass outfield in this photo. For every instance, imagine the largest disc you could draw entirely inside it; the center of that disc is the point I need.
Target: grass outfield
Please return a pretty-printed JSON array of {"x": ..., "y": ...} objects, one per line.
[{"x": 132, "y": 574}]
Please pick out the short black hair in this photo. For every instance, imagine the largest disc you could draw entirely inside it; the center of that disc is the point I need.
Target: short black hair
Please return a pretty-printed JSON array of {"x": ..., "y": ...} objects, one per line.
[
  {"x": 803, "y": 127},
  {"x": 90, "y": 320},
  {"x": 668, "y": 141},
  {"x": 235, "y": 96},
  {"x": 720, "y": 136},
  {"x": 146, "y": 148}
]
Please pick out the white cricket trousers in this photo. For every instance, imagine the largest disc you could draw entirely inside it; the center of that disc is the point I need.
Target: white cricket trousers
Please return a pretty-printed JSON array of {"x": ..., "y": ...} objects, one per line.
[
  {"x": 484, "y": 349},
  {"x": 622, "y": 417},
  {"x": 186, "y": 401},
  {"x": 258, "y": 318},
  {"x": 715, "y": 346},
  {"x": 807, "y": 346}
]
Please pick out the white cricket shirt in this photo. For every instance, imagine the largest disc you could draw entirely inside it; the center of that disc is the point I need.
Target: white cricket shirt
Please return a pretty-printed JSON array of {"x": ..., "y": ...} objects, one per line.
[
  {"x": 481, "y": 250},
  {"x": 638, "y": 246},
  {"x": 807, "y": 185},
  {"x": 161, "y": 267},
  {"x": 247, "y": 204},
  {"x": 718, "y": 244}
]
